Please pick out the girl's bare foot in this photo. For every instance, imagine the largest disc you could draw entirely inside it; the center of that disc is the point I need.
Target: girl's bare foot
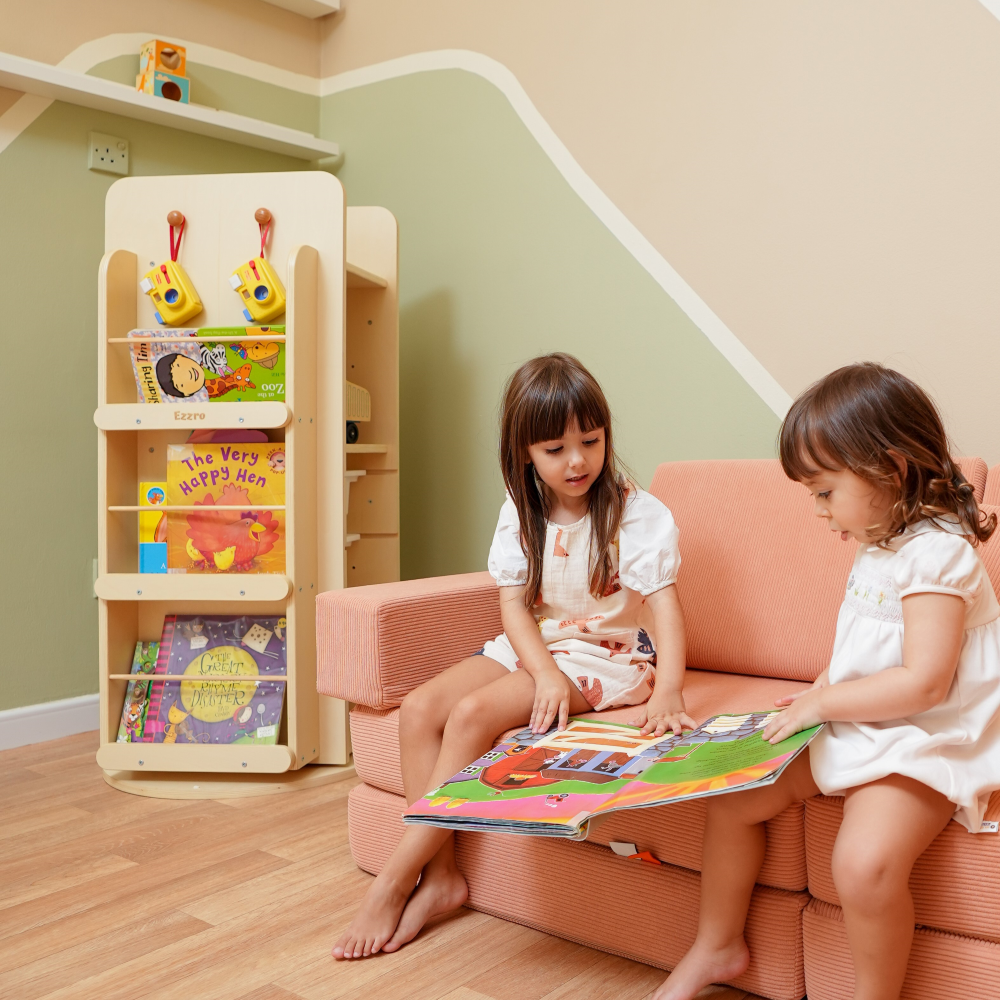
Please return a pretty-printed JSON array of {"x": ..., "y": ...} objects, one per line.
[
  {"x": 701, "y": 966},
  {"x": 374, "y": 923},
  {"x": 440, "y": 891}
]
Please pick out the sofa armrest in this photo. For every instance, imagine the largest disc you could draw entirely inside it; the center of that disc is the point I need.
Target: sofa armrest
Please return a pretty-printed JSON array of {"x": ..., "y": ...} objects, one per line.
[{"x": 376, "y": 644}]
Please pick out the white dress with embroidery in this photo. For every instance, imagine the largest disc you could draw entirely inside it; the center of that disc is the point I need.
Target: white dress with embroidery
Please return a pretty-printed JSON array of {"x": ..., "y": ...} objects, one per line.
[
  {"x": 597, "y": 643},
  {"x": 953, "y": 747}
]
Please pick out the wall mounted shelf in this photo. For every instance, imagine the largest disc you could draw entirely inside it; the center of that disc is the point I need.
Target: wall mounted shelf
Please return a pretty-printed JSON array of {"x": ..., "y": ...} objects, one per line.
[
  {"x": 67, "y": 85},
  {"x": 308, "y": 8}
]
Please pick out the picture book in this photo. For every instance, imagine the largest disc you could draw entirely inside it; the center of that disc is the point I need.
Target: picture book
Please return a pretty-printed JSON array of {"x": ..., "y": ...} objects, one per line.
[
  {"x": 251, "y": 370},
  {"x": 137, "y": 693},
  {"x": 152, "y": 528},
  {"x": 240, "y": 705},
  {"x": 239, "y": 476},
  {"x": 552, "y": 784}
]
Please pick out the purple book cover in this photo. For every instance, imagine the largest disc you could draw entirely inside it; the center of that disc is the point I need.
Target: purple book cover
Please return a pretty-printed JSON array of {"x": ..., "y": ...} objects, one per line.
[{"x": 244, "y": 709}]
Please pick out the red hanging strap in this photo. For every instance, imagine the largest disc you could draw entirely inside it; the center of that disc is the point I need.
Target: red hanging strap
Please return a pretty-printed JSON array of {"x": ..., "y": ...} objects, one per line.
[
  {"x": 265, "y": 231},
  {"x": 175, "y": 247}
]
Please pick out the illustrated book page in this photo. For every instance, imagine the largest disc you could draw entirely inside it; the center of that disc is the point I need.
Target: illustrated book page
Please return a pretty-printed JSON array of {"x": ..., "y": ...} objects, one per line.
[
  {"x": 250, "y": 370},
  {"x": 552, "y": 784},
  {"x": 241, "y": 477},
  {"x": 236, "y": 703}
]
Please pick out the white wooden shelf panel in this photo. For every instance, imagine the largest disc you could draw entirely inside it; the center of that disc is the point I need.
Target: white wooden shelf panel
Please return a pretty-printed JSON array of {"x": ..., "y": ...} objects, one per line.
[
  {"x": 192, "y": 586},
  {"x": 188, "y": 416},
  {"x": 367, "y": 449},
  {"x": 67, "y": 85},
  {"x": 358, "y": 277},
  {"x": 235, "y": 758},
  {"x": 308, "y": 8}
]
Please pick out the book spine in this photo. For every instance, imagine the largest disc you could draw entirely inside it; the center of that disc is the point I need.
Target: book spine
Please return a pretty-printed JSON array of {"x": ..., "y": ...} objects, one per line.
[{"x": 153, "y": 725}]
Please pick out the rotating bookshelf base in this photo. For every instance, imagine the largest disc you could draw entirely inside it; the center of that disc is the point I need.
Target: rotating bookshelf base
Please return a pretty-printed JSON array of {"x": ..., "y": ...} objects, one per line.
[{"x": 174, "y": 785}]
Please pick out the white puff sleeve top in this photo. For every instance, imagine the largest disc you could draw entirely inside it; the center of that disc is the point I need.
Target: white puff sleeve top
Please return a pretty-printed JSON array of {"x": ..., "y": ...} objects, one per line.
[{"x": 953, "y": 747}]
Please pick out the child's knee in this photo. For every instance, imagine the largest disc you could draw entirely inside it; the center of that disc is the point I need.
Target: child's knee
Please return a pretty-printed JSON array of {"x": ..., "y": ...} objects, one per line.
[
  {"x": 468, "y": 716},
  {"x": 419, "y": 709},
  {"x": 866, "y": 872}
]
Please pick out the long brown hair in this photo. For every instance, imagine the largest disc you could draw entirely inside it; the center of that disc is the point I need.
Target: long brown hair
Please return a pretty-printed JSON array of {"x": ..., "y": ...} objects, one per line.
[
  {"x": 540, "y": 401},
  {"x": 853, "y": 418}
]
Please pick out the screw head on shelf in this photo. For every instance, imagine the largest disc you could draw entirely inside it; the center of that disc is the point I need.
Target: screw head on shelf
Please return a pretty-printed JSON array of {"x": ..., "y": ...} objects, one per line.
[
  {"x": 139, "y": 593},
  {"x": 243, "y": 593},
  {"x": 244, "y": 763},
  {"x": 138, "y": 421},
  {"x": 141, "y": 762},
  {"x": 241, "y": 420}
]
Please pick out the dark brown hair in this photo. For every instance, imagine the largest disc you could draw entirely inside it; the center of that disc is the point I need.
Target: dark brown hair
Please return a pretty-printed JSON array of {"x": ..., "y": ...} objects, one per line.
[
  {"x": 853, "y": 418},
  {"x": 540, "y": 401}
]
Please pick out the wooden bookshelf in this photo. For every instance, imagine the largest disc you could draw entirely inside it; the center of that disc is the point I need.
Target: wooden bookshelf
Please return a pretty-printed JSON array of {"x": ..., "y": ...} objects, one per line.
[{"x": 341, "y": 311}]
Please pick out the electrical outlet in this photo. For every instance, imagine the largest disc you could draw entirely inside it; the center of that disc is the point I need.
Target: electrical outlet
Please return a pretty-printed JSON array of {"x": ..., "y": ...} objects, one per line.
[{"x": 108, "y": 153}]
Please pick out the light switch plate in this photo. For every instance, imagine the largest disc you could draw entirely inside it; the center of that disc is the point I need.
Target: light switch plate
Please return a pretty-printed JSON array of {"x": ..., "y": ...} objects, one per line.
[{"x": 108, "y": 153}]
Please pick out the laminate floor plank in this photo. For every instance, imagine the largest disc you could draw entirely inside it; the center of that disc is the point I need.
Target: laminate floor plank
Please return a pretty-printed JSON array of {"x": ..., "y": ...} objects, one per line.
[{"x": 111, "y": 896}]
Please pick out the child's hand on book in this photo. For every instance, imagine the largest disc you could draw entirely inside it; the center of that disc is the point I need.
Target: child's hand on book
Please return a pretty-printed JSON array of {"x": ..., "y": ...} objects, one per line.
[
  {"x": 802, "y": 713},
  {"x": 553, "y": 690},
  {"x": 660, "y": 716}
]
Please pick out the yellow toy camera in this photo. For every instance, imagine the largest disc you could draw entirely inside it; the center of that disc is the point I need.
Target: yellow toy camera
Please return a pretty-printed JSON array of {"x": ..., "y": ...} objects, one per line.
[
  {"x": 175, "y": 299},
  {"x": 261, "y": 290}
]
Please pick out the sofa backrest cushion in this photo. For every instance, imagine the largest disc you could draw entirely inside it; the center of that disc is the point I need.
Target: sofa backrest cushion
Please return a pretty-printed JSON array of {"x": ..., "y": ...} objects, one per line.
[
  {"x": 991, "y": 494},
  {"x": 761, "y": 577},
  {"x": 975, "y": 471}
]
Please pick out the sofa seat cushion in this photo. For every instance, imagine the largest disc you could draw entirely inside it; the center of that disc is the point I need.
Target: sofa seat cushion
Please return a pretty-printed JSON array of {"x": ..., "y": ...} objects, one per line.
[
  {"x": 955, "y": 882},
  {"x": 553, "y": 885},
  {"x": 672, "y": 833},
  {"x": 941, "y": 964}
]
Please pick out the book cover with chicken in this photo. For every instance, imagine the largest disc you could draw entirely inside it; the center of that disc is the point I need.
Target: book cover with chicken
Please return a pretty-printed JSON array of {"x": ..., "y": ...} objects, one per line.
[{"x": 242, "y": 478}]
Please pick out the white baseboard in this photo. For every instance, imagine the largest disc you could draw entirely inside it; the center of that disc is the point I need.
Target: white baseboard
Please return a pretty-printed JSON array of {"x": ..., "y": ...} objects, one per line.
[{"x": 48, "y": 721}]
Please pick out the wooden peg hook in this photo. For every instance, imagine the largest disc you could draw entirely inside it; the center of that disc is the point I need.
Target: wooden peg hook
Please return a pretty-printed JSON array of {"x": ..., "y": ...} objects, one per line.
[
  {"x": 263, "y": 216},
  {"x": 175, "y": 218}
]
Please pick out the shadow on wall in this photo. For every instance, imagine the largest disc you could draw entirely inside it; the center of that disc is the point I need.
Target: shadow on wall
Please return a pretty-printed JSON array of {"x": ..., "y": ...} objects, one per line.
[{"x": 438, "y": 448}]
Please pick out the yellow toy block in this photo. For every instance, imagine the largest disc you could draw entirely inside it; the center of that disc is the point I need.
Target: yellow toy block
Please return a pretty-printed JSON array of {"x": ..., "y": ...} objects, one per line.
[
  {"x": 261, "y": 290},
  {"x": 175, "y": 299}
]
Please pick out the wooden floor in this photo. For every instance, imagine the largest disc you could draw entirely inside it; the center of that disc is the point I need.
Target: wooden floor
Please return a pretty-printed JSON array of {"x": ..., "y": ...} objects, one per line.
[{"x": 108, "y": 895}]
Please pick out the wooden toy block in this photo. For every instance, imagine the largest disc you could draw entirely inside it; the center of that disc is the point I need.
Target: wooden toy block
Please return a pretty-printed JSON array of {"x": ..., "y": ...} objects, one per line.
[
  {"x": 165, "y": 57},
  {"x": 166, "y": 85}
]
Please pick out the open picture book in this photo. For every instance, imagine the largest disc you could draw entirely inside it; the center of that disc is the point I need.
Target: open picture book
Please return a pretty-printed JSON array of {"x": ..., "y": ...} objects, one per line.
[{"x": 552, "y": 784}]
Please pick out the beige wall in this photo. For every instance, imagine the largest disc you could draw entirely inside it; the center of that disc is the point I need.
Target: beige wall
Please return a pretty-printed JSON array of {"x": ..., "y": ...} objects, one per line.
[{"x": 825, "y": 176}]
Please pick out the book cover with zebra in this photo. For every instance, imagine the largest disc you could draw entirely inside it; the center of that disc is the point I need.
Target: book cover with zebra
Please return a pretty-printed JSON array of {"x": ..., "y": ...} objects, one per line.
[
  {"x": 251, "y": 370},
  {"x": 236, "y": 703}
]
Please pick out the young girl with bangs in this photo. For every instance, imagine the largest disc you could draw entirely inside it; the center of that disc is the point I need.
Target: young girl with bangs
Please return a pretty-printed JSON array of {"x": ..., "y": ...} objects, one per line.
[
  {"x": 912, "y": 694},
  {"x": 586, "y": 565}
]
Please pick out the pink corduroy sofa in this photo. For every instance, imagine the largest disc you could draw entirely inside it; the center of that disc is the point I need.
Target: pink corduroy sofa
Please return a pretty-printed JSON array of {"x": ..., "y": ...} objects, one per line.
[{"x": 760, "y": 585}]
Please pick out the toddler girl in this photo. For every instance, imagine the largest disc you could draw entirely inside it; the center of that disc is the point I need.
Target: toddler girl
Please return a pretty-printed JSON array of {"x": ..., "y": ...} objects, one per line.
[
  {"x": 585, "y": 564},
  {"x": 911, "y": 697}
]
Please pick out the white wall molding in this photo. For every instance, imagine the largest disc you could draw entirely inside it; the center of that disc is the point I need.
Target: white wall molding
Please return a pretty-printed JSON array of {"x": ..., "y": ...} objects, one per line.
[
  {"x": 88, "y": 55},
  {"x": 49, "y": 721}
]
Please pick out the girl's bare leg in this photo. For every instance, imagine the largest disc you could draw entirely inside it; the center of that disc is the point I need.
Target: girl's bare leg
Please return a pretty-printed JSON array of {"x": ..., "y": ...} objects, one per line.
[
  {"x": 732, "y": 853},
  {"x": 472, "y": 724},
  {"x": 887, "y": 825}
]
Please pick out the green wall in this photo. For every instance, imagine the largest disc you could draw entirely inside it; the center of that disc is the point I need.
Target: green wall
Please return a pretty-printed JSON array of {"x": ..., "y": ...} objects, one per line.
[
  {"x": 51, "y": 246},
  {"x": 500, "y": 260}
]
